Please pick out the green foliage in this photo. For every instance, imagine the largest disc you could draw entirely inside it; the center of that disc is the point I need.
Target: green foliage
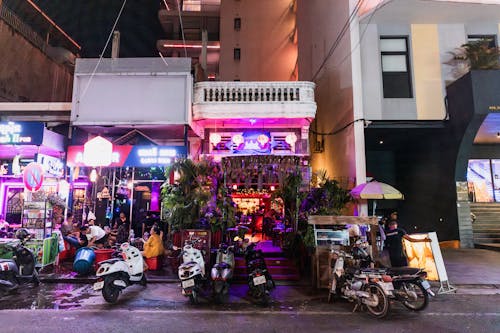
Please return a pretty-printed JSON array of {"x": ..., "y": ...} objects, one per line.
[
  {"x": 478, "y": 54},
  {"x": 197, "y": 196}
]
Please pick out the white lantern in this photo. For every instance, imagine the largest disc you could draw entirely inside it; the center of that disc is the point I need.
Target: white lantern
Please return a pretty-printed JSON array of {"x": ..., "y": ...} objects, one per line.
[
  {"x": 215, "y": 138},
  {"x": 291, "y": 139}
]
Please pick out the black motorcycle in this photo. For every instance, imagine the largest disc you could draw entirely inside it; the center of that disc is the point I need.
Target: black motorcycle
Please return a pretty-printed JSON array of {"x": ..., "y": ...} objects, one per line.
[
  {"x": 260, "y": 281},
  {"x": 21, "y": 268},
  {"x": 410, "y": 285}
]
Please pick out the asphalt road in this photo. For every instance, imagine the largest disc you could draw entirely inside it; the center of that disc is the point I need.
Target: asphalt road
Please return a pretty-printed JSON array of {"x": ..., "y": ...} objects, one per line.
[{"x": 160, "y": 308}]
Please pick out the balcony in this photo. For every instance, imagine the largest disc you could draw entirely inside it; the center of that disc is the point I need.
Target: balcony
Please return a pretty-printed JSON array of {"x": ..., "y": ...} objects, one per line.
[{"x": 236, "y": 103}]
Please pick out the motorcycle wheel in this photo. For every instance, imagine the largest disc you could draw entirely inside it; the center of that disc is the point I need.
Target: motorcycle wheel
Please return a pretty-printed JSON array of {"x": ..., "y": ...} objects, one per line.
[
  {"x": 377, "y": 293},
  {"x": 143, "y": 281},
  {"x": 110, "y": 292},
  {"x": 422, "y": 297},
  {"x": 193, "y": 298},
  {"x": 218, "y": 298}
]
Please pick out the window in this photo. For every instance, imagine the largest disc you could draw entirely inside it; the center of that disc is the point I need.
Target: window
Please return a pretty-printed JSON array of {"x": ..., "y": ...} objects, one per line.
[
  {"x": 237, "y": 24},
  {"x": 491, "y": 38},
  {"x": 237, "y": 54},
  {"x": 396, "y": 78}
]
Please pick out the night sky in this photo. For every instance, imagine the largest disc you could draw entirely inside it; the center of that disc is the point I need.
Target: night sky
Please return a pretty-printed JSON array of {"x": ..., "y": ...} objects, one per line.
[{"x": 89, "y": 23}]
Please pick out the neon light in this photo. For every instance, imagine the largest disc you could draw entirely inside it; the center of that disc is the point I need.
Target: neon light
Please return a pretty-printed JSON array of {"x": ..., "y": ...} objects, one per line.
[
  {"x": 97, "y": 152},
  {"x": 11, "y": 133},
  {"x": 3, "y": 192},
  {"x": 191, "y": 46}
]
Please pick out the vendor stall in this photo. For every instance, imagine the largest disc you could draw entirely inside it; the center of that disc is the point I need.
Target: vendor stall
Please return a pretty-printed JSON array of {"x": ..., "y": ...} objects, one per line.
[{"x": 333, "y": 230}]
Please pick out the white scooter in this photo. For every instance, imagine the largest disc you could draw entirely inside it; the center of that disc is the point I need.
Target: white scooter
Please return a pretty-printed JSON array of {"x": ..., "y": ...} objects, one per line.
[
  {"x": 222, "y": 271},
  {"x": 192, "y": 271},
  {"x": 116, "y": 274}
]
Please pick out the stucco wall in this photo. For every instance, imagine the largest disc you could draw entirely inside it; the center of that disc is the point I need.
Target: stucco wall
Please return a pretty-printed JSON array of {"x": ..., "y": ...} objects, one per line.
[
  {"x": 319, "y": 27},
  {"x": 268, "y": 51}
]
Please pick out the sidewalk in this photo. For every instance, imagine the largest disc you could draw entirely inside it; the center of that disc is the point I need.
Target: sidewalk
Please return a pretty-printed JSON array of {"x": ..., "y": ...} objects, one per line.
[{"x": 469, "y": 270}]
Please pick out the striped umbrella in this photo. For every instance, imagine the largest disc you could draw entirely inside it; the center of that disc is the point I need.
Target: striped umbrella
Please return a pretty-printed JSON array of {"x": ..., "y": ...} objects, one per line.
[{"x": 376, "y": 190}]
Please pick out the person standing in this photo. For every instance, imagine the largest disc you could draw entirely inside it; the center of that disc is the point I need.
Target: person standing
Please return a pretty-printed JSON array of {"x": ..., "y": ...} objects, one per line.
[{"x": 394, "y": 243}]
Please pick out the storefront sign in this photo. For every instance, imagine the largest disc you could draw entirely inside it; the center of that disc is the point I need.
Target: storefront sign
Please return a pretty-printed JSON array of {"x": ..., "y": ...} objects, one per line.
[
  {"x": 251, "y": 143},
  {"x": 21, "y": 133},
  {"x": 132, "y": 156},
  {"x": 33, "y": 177},
  {"x": 53, "y": 166}
]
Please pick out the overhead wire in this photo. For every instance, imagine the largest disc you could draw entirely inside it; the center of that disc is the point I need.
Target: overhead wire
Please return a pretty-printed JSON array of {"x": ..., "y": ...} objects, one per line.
[
  {"x": 337, "y": 41},
  {"x": 104, "y": 49},
  {"x": 182, "y": 29}
]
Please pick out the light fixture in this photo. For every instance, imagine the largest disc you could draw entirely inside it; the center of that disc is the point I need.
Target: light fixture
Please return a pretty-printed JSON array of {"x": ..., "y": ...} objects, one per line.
[
  {"x": 130, "y": 185},
  {"x": 381, "y": 142},
  {"x": 272, "y": 188},
  {"x": 238, "y": 139},
  {"x": 291, "y": 139},
  {"x": 93, "y": 176},
  {"x": 253, "y": 121},
  {"x": 235, "y": 187},
  {"x": 215, "y": 138},
  {"x": 262, "y": 139}
]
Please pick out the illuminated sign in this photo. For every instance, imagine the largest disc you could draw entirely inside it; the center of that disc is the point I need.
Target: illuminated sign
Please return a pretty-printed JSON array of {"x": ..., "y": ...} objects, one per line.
[
  {"x": 21, "y": 133},
  {"x": 33, "y": 177},
  {"x": 97, "y": 152},
  {"x": 135, "y": 156},
  {"x": 52, "y": 165}
]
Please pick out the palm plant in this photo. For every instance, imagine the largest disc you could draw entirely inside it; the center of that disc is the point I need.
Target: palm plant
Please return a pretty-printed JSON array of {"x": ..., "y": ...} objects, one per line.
[{"x": 476, "y": 55}]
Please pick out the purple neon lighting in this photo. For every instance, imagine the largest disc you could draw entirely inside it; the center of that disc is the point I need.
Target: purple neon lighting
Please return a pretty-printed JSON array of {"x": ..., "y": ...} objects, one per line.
[{"x": 3, "y": 193}]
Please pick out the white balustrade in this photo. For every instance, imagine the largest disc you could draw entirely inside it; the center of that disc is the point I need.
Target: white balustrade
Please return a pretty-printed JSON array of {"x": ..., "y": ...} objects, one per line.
[{"x": 254, "y": 92}]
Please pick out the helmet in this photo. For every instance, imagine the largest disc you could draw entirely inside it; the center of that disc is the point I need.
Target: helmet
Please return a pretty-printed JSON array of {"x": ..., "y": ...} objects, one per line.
[{"x": 22, "y": 233}]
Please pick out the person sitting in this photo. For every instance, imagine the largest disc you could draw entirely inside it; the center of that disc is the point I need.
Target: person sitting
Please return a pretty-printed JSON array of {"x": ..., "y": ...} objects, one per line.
[
  {"x": 122, "y": 233},
  {"x": 153, "y": 247},
  {"x": 96, "y": 236}
]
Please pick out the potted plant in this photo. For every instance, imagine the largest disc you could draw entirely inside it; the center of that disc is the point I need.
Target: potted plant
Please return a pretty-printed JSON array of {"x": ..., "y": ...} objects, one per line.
[{"x": 475, "y": 55}]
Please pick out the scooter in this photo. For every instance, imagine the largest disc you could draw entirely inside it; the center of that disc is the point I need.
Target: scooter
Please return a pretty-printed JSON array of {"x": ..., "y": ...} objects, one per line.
[
  {"x": 116, "y": 274},
  {"x": 368, "y": 288},
  {"x": 222, "y": 271},
  {"x": 259, "y": 280},
  {"x": 192, "y": 271},
  {"x": 21, "y": 268}
]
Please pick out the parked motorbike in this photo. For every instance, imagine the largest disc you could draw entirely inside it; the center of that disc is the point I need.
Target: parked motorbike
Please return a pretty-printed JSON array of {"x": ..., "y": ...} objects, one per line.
[
  {"x": 21, "y": 268},
  {"x": 222, "y": 271},
  {"x": 116, "y": 274},
  {"x": 192, "y": 271},
  {"x": 369, "y": 288},
  {"x": 259, "y": 281},
  {"x": 410, "y": 285}
]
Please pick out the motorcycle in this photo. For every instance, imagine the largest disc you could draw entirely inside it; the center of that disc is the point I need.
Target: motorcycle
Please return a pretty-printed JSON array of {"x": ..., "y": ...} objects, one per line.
[
  {"x": 369, "y": 288},
  {"x": 259, "y": 280},
  {"x": 116, "y": 274},
  {"x": 222, "y": 271},
  {"x": 21, "y": 268},
  {"x": 410, "y": 285},
  {"x": 192, "y": 271}
]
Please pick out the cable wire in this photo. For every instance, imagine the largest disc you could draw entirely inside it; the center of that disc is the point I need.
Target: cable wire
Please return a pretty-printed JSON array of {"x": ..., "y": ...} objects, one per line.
[
  {"x": 103, "y": 50},
  {"x": 182, "y": 29},
  {"x": 337, "y": 41}
]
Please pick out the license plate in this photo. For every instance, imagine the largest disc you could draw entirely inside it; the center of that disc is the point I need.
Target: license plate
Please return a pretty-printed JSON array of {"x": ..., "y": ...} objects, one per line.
[
  {"x": 187, "y": 283},
  {"x": 426, "y": 284},
  {"x": 388, "y": 286},
  {"x": 98, "y": 285},
  {"x": 259, "y": 280}
]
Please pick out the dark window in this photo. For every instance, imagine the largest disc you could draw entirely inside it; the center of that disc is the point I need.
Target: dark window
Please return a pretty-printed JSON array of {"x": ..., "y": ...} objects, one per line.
[
  {"x": 396, "y": 77},
  {"x": 492, "y": 39},
  {"x": 237, "y": 24},
  {"x": 237, "y": 54}
]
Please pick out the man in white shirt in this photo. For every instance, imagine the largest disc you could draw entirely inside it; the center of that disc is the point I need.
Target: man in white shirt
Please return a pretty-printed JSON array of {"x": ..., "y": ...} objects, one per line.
[{"x": 95, "y": 235}]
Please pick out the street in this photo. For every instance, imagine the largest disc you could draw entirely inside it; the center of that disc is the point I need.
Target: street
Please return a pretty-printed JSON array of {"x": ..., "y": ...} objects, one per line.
[{"x": 162, "y": 308}]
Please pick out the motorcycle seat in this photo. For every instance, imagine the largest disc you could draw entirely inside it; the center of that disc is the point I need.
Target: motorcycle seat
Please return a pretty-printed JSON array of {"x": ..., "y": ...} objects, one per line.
[
  {"x": 222, "y": 265},
  {"x": 403, "y": 271},
  {"x": 110, "y": 261}
]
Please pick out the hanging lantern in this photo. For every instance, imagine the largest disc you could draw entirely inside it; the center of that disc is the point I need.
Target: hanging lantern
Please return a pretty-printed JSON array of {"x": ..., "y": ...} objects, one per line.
[
  {"x": 215, "y": 138},
  {"x": 291, "y": 139},
  {"x": 262, "y": 139},
  {"x": 238, "y": 139},
  {"x": 93, "y": 175}
]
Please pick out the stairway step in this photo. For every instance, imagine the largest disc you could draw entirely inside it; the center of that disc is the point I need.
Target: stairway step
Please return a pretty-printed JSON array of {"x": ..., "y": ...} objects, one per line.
[{"x": 276, "y": 277}]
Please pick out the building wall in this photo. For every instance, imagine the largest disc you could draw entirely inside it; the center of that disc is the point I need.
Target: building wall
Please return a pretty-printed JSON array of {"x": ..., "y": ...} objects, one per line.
[
  {"x": 319, "y": 27},
  {"x": 266, "y": 40},
  {"x": 27, "y": 74}
]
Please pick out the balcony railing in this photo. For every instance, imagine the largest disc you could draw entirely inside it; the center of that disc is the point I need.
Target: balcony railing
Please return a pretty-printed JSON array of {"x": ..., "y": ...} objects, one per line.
[{"x": 254, "y": 92}]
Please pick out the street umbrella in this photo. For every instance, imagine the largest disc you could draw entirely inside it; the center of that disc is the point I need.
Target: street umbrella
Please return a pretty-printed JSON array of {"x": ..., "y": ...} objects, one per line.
[{"x": 376, "y": 191}]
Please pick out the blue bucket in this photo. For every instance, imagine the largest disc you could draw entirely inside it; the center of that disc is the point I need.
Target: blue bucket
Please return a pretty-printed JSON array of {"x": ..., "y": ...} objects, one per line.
[{"x": 84, "y": 258}]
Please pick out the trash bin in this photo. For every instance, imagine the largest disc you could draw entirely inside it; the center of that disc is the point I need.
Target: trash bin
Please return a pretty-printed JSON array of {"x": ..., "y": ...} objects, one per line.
[
  {"x": 84, "y": 258},
  {"x": 102, "y": 254}
]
